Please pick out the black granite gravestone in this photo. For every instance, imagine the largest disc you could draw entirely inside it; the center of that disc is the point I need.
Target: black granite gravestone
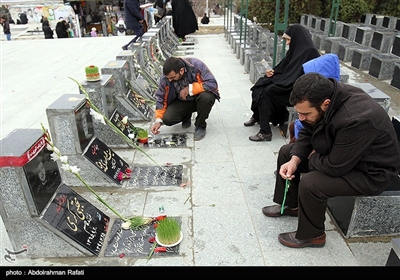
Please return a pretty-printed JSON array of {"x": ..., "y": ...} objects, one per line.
[
  {"x": 382, "y": 65},
  {"x": 105, "y": 159},
  {"x": 322, "y": 25},
  {"x": 398, "y": 25},
  {"x": 37, "y": 208},
  {"x": 385, "y": 22},
  {"x": 396, "y": 46},
  {"x": 140, "y": 104},
  {"x": 147, "y": 176},
  {"x": 39, "y": 170},
  {"x": 305, "y": 20},
  {"x": 376, "y": 40},
  {"x": 77, "y": 218},
  {"x": 135, "y": 243},
  {"x": 313, "y": 22},
  {"x": 373, "y": 20}
]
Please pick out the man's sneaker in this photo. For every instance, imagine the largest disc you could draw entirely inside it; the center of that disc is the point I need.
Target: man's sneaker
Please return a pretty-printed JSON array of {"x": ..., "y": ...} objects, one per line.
[
  {"x": 186, "y": 123},
  {"x": 125, "y": 48},
  {"x": 199, "y": 133}
]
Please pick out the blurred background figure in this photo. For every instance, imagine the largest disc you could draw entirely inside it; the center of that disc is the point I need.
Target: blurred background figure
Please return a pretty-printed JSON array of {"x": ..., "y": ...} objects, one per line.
[
  {"x": 48, "y": 32},
  {"x": 121, "y": 27},
  {"x": 62, "y": 29},
  {"x": 93, "y": 33},
  {"x": 6, "y": 27},
  {"x": 205, "y": 19},
  {"x": 134, "y": 21},
  {"x": 161, "y": 11},
  {"x": 184, "y": 20}
]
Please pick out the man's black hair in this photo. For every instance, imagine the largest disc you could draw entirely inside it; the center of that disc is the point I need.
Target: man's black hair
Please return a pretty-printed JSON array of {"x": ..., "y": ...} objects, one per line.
[
  {"x": 172, "y": 64},
  {"x": 311, "y": 87}
]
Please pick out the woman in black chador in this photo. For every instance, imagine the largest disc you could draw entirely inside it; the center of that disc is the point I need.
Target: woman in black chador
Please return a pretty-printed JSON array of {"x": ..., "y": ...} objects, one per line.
[
  {"x": 270, "y": 94},
  {"x": 184, "y": 20}
]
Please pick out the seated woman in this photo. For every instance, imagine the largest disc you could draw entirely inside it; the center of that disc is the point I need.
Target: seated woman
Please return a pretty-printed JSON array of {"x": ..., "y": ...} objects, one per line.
[{"x": 270, "y": 94}]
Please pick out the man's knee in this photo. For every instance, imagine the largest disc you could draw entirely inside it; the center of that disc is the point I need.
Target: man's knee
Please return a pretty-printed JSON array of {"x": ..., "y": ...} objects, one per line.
[
  {"x": 206, "y": 97},
  {"x": 310, "y": 183}
]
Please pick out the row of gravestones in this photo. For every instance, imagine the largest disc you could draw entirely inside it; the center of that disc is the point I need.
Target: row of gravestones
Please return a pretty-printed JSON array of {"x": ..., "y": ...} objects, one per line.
[
  {"x": 350, "y": 213},
  {"x": 372, "y": 45},
  {"x": 254, "y": 47},
  {"x": 43, "y": 215}
]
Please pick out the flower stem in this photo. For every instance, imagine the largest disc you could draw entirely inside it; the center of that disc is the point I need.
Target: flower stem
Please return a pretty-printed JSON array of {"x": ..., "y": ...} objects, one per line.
[{"x": 127, "y": 139}]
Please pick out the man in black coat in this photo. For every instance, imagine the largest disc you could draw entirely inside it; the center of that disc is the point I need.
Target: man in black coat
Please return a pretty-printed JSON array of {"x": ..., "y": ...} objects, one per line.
[{"x": 347, "y": 147}]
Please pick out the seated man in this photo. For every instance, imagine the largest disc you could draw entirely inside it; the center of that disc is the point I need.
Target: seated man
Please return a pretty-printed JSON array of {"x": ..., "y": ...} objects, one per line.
[{"x": 347, "y": 147}]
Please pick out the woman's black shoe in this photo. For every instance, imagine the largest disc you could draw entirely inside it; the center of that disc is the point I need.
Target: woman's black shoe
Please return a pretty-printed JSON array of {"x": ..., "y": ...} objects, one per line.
[{"x": 261, "y": 137}]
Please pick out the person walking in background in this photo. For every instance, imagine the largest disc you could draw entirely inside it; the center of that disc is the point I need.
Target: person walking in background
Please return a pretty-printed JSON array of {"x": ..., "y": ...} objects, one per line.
[
  {"x": 133, "y": 21},
  {"x": 6, "y": 27},
  {"x": 184, "y": 21},
  {"x": 62, "y": 29},
  {"x": 48, "y": 32},
  {"x": 187, "y": 86},
  {"x": 270, "y": 94},
  {"x": 347, "y": 147}
]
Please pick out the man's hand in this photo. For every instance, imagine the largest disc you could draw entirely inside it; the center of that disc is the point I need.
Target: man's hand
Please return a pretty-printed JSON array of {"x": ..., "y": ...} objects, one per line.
[
  {"x": 155, "y": 128},
  {"x": 287, "y": 169},
  {"x": 184, "y": 93}
]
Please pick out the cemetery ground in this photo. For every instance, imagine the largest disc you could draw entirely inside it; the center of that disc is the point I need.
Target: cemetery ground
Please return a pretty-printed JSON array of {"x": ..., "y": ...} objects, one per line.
[{"x": 240, "y": 182}]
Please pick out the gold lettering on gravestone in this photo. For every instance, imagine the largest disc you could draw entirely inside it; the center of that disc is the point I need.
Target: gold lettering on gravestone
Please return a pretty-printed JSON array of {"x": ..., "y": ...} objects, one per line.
[
  {"x": 74, "y": 207},
  {"x": 112, "y": 64}
]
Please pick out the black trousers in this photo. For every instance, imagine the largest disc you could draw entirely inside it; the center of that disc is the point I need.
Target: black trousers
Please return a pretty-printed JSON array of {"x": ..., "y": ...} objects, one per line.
[
  {"x": 179, "y": 110},
  {"x": 261, "y": 114},
  {"x": 310, "y": 193}
]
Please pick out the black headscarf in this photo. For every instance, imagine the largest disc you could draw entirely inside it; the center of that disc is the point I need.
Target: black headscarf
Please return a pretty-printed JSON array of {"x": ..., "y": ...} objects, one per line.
[
  {"x": 301, "y": 50},
  {"x": 277, "y": 88}
]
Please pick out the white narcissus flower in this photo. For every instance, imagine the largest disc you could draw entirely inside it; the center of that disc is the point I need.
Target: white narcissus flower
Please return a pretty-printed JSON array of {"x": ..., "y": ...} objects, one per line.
[
  {"x": 125, "y": 120},
  {"x": 54, "y": 157},
  {"x": 65, "y": 167},
  {"x": 74, "y": 169},
  {"x": 126, "y": 225},
  {"x": 97, "y": 116},
  {"x": 131, "y": 135},
  {"x": 64, "y": 159}
]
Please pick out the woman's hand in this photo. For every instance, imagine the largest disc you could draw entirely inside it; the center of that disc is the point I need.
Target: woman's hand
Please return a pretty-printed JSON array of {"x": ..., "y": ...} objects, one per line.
[{"x": 269, "y": 73}]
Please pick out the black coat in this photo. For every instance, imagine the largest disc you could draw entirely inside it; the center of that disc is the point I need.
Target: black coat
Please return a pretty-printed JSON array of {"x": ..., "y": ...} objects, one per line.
[
  {"x": 278, "y": 87},
  {"x": 184, "y": 20},
  {"x": 48, "y": 32},
  {"x": 62, "y": 29},
  {"x": 355, "y": 140}
]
